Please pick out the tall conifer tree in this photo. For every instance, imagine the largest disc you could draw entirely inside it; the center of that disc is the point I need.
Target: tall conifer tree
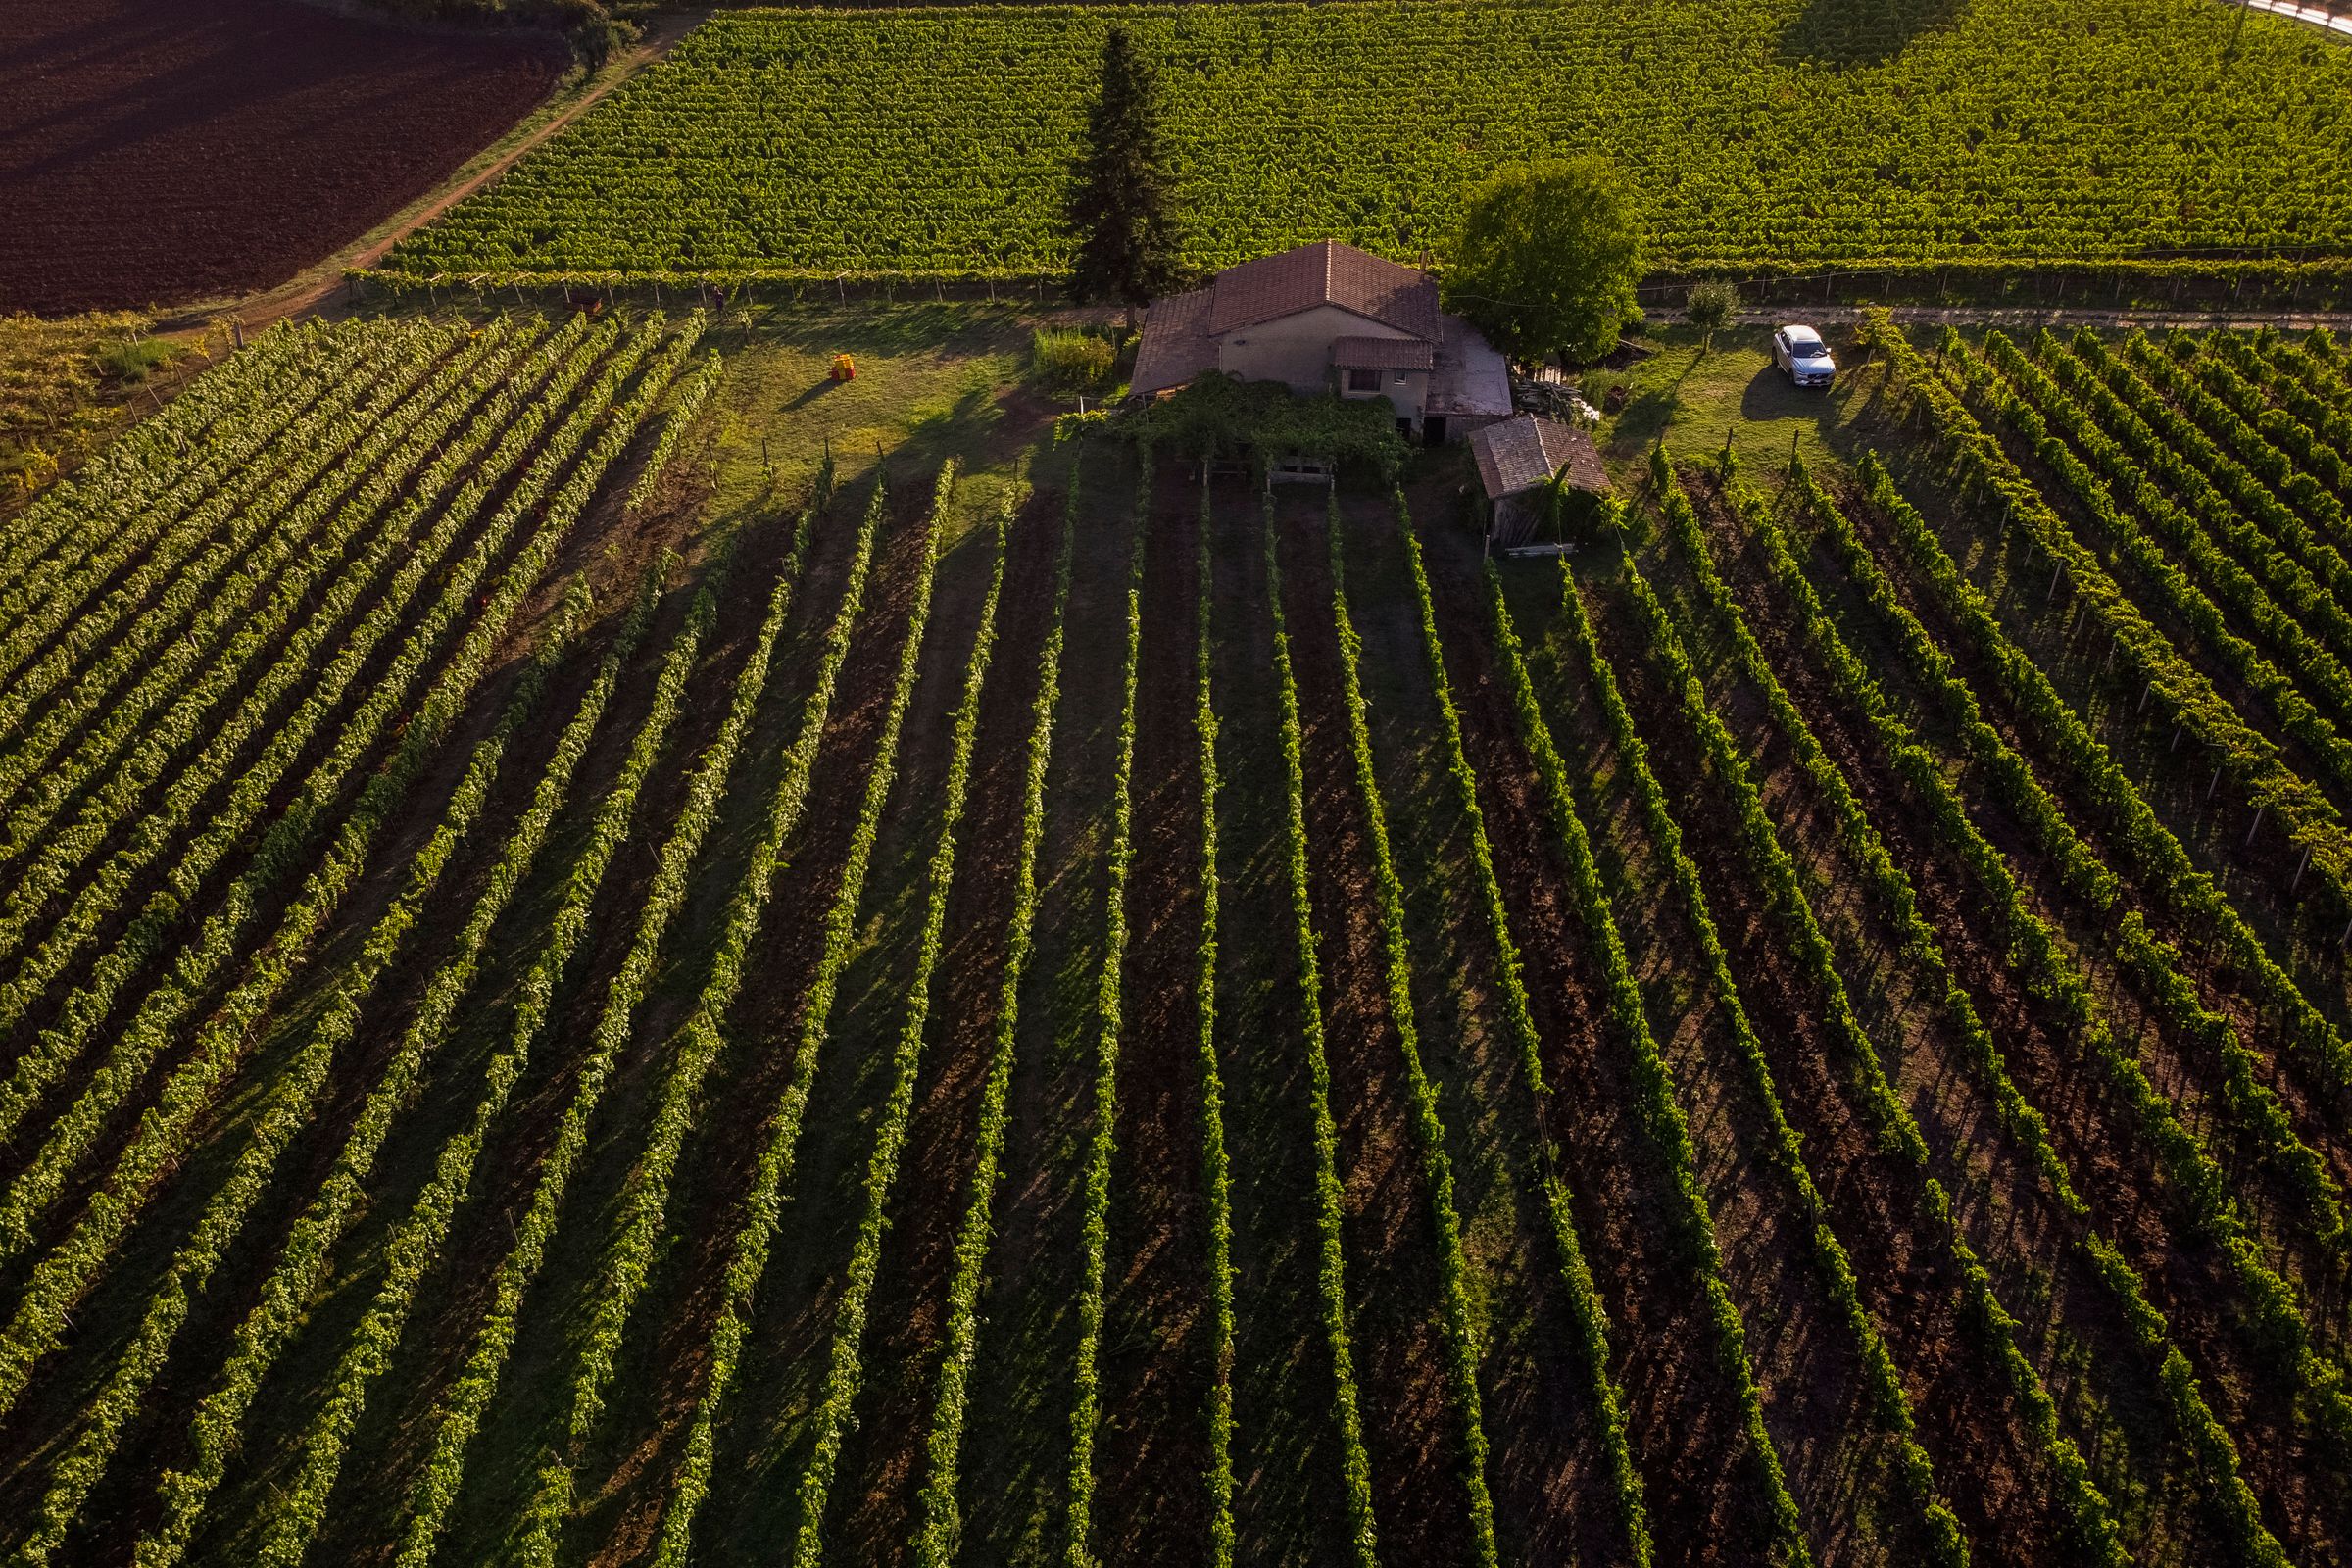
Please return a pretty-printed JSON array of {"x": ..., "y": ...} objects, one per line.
[{"x": 1120, "y": 200}]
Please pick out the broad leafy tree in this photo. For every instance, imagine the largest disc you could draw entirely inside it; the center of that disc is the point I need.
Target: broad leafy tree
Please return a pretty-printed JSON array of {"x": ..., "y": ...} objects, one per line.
[
  {"x": 1547, "y": 259},
  {"x": 1120, "y": 204}
]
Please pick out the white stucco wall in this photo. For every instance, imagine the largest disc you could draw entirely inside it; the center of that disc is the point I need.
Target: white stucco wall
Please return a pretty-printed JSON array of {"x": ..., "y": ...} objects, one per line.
[
  {"x": 1296, "y": 350},
  {"x": 1407, "y": 389}
]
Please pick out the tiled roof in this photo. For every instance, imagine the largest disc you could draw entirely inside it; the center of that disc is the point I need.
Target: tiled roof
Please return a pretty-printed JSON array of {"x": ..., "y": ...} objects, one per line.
[
  {"x": 1176, "y": 346},
  {"x": 1326, "y": 272},
  {"x": 1520, "y": 453},
  {"x": 1383, "y": 354}
]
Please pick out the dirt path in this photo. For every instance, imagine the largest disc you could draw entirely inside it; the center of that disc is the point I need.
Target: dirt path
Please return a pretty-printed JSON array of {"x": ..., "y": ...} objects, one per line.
[{"x": 318, "y": 289}]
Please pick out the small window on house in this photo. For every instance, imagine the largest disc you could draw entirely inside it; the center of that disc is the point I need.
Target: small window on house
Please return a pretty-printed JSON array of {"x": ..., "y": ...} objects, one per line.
[
  {"x": 1363, "y": 380},
  {"x": 1400, "y": 378}
]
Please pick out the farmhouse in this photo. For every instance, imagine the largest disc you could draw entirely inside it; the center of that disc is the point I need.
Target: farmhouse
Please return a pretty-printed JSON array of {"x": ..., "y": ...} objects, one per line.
[
  {"x": 1520, "y": 463},
  {"x": 1328, "y": 316}
]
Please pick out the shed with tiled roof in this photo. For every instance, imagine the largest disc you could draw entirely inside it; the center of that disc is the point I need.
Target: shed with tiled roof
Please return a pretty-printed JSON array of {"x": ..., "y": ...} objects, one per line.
[{"x": 1519, "y": 463}]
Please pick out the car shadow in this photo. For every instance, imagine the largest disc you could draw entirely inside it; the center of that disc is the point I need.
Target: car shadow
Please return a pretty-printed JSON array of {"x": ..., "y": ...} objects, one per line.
[{"x": 1771, "y": 395}]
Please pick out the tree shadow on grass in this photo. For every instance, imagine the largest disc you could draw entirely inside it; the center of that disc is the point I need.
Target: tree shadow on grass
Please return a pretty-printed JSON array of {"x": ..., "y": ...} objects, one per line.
[
  {"x": 1844, "y": 35},
  {"x": 965, "y": 430},
  {"x": 1641, "y": 422}
]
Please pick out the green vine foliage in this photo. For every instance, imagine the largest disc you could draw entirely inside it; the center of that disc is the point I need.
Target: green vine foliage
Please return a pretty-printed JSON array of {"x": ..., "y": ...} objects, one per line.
[
  {"x": 1429, "y": 1122},
  {"x": 1661, "y": 1113},
  {"x": 2156, "y": 855},
  {"x": 187, "y": 603},
  {"x": 1216, "y": 1178},
  {"x": 908, "y": 143},
  {"x": 217, "y": 1430},
  {"x": 415, "y": 1242},
  {"x": 1587, "y": 1312},
  {"x": 1109, "y": 1017},
  {"x": 845, "y": 1372},
  {"x": 1219, "y": 413},
  {"x": 1983, "y": 473},
  {"x": 542, "y": 515},
  {"x": 1775, "y": 869},
  {"x": 2054, "y": 977},
  {"x": 2261, "y": 1118},
  {"x": 938, "y": 1534},
  {"x": 699, "y": 1043},
  {"x": 628, "y": 1254},
  {"x": 1355, "y": 1467},
  {"x": 460, "y": 1411}
]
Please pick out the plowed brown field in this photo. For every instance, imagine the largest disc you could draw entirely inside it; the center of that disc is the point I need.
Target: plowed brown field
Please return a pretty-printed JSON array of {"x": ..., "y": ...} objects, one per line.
[{"x": 164, "y": 151}]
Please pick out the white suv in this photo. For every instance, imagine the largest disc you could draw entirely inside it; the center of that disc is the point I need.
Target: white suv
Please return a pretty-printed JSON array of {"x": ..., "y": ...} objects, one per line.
[{"x": 1800, "y": 350}]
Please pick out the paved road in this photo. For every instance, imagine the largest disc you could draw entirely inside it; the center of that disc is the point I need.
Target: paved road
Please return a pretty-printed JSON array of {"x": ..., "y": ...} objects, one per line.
[
  {"x": 2040, "y": 315},
  {"x": 2317, "y": 16}
]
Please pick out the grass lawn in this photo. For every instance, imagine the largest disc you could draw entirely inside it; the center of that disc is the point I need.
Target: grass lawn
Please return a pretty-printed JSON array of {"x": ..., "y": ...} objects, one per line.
[
  {"x": 934, "y": 381},
  {"x": 1691, "y": 396}
]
